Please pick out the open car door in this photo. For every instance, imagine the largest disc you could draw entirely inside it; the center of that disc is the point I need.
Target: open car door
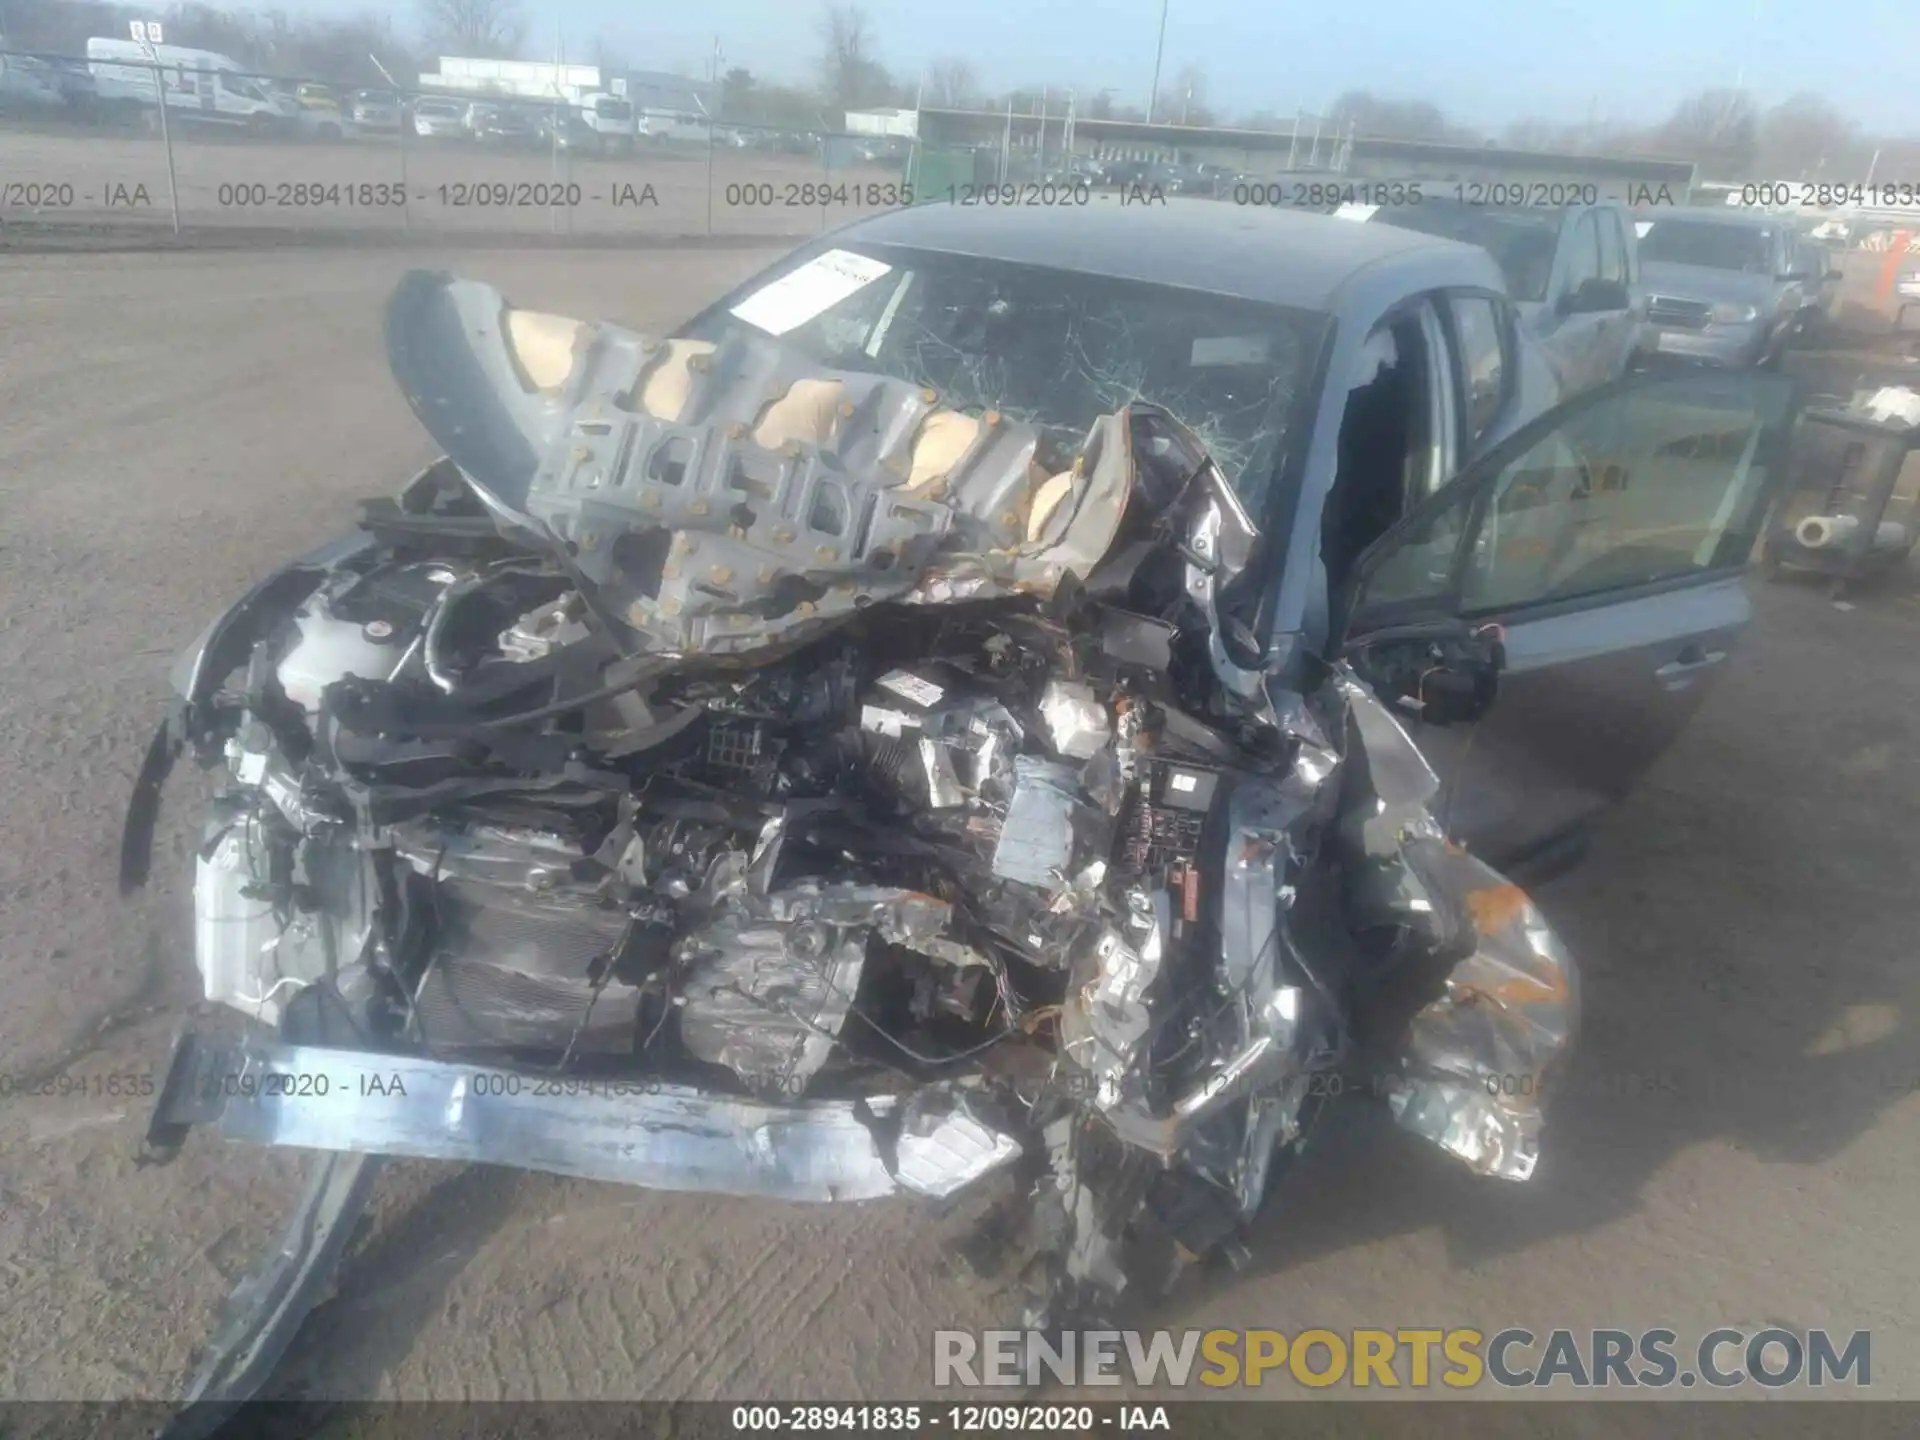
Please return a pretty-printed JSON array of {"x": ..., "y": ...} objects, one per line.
[{"x": 1549, "y": 621}]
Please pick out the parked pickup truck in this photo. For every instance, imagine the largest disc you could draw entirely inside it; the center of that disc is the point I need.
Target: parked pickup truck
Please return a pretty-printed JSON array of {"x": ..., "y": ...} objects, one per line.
[{"x": 1573, "y": 274}]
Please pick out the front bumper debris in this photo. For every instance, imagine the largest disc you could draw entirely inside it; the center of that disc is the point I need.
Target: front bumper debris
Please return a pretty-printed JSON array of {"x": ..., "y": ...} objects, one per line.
[
  {"x": 931, "y": 1143},
  {"x": 269, "y": 1305},
  {"x": 1481, "y": 1058}
]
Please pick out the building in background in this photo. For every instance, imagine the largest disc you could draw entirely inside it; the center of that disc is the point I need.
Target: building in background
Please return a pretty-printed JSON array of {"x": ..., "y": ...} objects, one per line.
[
  {"x": 524, "y": 79},
  {"x": 903, "y": 124},
  {"x": 658, "y": 92}
]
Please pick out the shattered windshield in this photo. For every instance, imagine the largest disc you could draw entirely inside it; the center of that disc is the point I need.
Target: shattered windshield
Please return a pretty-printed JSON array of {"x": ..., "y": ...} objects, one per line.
[
  {"x": 1054, "y": 349},
  {"x": 1522, "y": 242},
  {"x": 1701, "y": 242}
]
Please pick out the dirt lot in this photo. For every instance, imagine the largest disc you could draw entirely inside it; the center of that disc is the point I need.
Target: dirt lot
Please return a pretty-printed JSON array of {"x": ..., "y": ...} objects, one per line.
[
  {"x": 1738, "y": 1146},
  {"x": 448, "y": 187}
]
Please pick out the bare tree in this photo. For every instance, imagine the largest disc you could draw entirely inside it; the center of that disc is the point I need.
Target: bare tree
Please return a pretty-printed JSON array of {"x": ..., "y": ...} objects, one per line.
[
  {"x": 341, "y": 51},
  {"x": 1804, "y": 137},
  {"x": 492, "y": 28},
  {"x": 739, "y": 93},
  {"x": 1586, "y": 138},
  {"x": 1185, "y": 101},
  {"x": 204, "y": 28},
  {"x": 1369, "y": 115},
  {"x": 605, "y": 57},
  {"x": 1716, "y": 129},
  {"x": 952, "y": 85},
  {"x": 850, "y": 78}
]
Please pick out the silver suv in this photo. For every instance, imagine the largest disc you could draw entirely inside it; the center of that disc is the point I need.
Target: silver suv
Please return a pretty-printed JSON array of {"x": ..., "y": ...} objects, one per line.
[{"x": 1725, "y": 288}]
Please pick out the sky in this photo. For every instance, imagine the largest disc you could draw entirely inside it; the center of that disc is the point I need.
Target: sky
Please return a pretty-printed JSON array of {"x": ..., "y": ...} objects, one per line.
[{"x": 1484, "y": 62}]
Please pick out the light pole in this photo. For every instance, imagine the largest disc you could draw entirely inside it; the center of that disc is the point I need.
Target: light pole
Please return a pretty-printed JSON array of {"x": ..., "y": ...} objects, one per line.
[
  {"x": 1159, "y": 50},
  {"x": 713, "y": 90},
  {"x": 402, "y": 107}
]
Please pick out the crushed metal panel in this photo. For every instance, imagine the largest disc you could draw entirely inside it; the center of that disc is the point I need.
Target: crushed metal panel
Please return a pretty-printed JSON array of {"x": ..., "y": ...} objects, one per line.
[
  {"x": 1480, "y": 1059},
  {"x": 1112, "y": 988},
  {"x": 1036, "y": 839},
  {"x": 1077, "y": 723},
  {"x": 660, "y": 1137}
]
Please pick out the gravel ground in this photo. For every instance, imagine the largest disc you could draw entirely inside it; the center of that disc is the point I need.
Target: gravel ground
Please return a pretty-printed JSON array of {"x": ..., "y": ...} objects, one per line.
[{"x": 1738, "y": 1145}]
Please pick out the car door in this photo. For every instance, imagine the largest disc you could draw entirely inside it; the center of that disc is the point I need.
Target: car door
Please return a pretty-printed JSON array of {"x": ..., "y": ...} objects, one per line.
[
  {"x": 1606, "y": 541},
  {"x": 1569, "y": 334},
  {"x": 1613, "y": 303},
  {"x": 1790, "y": 272}
]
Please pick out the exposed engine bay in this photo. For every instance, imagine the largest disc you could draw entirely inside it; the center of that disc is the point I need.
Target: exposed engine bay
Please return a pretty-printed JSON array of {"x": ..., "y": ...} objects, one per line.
[{"x": 725, "y": 774}]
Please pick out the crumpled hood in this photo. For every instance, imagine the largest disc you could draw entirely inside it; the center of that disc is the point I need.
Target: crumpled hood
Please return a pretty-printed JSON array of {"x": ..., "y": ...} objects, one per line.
[
  {"x": 725, "y": 498},
  {"x": 1707, "y": 285}
]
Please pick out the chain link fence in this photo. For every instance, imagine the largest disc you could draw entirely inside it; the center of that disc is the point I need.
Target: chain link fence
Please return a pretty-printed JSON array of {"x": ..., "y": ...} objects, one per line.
[{"x": 82, "y": 145}]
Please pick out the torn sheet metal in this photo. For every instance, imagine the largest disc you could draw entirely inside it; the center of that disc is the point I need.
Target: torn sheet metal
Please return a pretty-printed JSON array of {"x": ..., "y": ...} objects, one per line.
[
  {"x": 1403, "y": 782},
  {"x": 1220, "y": 543},
  {"x": 943, "y": 782},
  {"x": 1391, "y": 827},
  {"x": 944, "y": 1146},
  {"x": 264, "y": 1313},
  {"x": 661, "y": 1137},
  {"x": 1076, "y": 721},
  {"x": 1036, "y": 842},
  {"x": 1112, "y": 989},
  {"x": 1480, "y": 1059}
]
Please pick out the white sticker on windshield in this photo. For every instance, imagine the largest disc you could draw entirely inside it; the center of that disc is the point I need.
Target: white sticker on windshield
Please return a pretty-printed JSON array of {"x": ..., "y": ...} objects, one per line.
[
  {"x": 1640, "y": 229},
  {"x": 813, "y": 289},
  {"x": 1355, "y": 212},
  {"x": 1229, "y": 350}
]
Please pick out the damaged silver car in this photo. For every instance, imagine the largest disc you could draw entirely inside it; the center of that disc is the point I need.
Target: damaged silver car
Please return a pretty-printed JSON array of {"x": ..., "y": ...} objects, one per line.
[{"x": 734, "y": 772}]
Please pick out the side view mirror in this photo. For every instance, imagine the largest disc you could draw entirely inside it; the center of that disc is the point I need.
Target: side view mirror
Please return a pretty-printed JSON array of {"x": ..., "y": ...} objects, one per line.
[
  {"x": 1835, "y": 275},
  {"x": 1439, "y": 678}
]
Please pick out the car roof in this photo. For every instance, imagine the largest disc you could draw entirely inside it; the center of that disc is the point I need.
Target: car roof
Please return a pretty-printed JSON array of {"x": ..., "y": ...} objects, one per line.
[
  {"x": 1715, "y": 215},
  {"x": 1275, "y": 256}
]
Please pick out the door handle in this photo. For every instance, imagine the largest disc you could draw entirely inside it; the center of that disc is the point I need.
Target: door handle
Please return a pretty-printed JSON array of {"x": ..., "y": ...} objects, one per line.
[{"x": 1676, "y": 674}]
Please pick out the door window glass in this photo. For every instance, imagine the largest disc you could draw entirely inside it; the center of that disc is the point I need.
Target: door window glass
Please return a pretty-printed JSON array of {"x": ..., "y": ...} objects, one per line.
[
  {"x": 1654, "y": 483},
  {"x": 1613, "y": 248},
  {"x": 1583, "y": 255},
  {"x": 1481, "y": 334},
  {"x": 1649, "y": 485},
  {"x": 1419, "y": 565},
  {"x": 1384, "y": 445}
]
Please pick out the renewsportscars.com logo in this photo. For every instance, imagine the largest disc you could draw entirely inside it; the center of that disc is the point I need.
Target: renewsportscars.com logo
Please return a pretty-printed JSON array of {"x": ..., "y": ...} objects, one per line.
[{"x": 1459, "y": 1358}]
